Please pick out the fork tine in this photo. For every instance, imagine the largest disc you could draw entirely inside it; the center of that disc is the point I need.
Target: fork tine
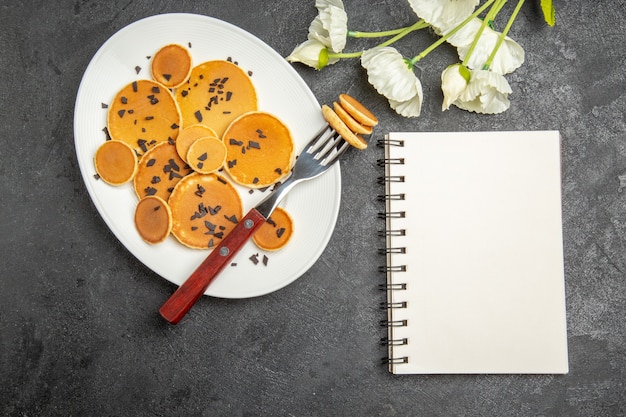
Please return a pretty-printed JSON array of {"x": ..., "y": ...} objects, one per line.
[
  {"x": 331, "y": 149},
  {"x": 319, "y": 139}
]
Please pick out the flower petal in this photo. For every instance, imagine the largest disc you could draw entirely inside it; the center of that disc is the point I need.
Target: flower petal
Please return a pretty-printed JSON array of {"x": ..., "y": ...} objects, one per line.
[
  {"x": 409, "y": 108},
  {"x": 510, "y": 55},
  {"x": 443, "y": 14},
  {"x": 487, "y": 92},
  {"x": 335, "y": 23},
  {"x": 388, "y": 72},
  {"x": 320, "y": 4}
]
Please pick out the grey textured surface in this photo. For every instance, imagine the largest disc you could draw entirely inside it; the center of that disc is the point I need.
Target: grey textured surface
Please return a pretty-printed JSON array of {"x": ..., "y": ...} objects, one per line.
[{"x": 79, "y": 330}]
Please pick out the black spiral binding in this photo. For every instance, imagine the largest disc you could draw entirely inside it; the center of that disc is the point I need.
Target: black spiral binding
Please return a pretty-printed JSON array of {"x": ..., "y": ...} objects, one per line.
[{"x": 388, "y": 269}]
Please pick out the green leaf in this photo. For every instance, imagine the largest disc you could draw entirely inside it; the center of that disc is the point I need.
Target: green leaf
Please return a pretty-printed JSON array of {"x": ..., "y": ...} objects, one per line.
[{"x": 549, "y": 13}]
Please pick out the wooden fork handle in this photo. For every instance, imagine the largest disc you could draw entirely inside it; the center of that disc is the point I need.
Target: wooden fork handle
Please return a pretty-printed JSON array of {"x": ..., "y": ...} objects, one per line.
[{"x": 192, "y": 289}]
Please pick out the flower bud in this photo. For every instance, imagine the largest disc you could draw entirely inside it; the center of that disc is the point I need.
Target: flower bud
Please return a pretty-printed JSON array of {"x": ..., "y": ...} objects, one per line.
[{"x": 454, "y": 80}]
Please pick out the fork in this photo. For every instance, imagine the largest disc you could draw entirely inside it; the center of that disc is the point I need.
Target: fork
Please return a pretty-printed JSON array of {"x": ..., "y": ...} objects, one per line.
[{"x": 318, "y": 156}]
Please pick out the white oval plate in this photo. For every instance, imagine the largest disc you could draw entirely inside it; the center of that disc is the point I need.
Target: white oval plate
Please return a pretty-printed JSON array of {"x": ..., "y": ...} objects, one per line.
[{"x": 314, "y": 205}]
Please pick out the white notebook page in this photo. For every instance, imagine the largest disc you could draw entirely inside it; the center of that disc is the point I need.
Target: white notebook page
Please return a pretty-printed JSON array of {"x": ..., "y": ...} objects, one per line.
[{"x": 484, "y": 254}]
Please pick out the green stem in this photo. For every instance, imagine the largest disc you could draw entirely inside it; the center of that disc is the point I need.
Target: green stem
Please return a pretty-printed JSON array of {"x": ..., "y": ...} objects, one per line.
[
  {"x": 503, "y": 34},
  {"x": 444, "y": 38},
  {"x": 489, "y": 17},
  {"x": 381, "y": 34},
  {"x": 420, "y": 24}
]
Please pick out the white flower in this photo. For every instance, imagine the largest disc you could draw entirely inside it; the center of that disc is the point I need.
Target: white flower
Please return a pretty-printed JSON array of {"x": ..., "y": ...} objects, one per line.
[
  {"x": 487, "y": 92},
  {"x": 443, "y": 14},
  {"x": 330, "y": 26},
  {"x": 391, "y": 76},
  {"x": 328, "y": 31},
  {"x": 509, "y": 57},
  {"x": 312, "y": 53},
  {"x": 454, "y": 80}
]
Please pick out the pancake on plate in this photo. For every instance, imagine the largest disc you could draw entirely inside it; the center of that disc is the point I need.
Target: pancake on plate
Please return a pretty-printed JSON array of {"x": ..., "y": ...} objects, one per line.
[
  {"x": 159, "y": 170},
  {"x": 206, "y": 155},
  {"x": 215, "y": 94},
  {"x": 260, "y": 150},
  {"x": 143, "y": 114},
  {"x": 115, "y": 162},
  {"x": 205, "y": 208},
  {"x": 171, "y": 65},
  {"x": 153, "y": 219},
  {"x": 276, "y": 232},
  {"x": 189, "y": 135}
]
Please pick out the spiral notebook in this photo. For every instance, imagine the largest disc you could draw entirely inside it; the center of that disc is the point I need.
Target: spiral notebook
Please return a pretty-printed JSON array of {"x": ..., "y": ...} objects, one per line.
[{"x": 474, "y": 253}]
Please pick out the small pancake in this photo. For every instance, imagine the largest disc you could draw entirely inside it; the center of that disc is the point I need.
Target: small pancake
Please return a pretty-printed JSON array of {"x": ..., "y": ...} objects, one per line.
[
  {"x": 216, "y": 93},
  {"x": 350, "y": 121},
  {"x": 159, "y": 171},
  {"x": 357, "y": 110},
  {"x": 171, "y": 65},
  {"x": 143, "y": 114},
  {"x": 276, "y": 232},
  {"x": 260, "y": 150},
  {"x": 153, "y": 219},
  {"x": 205, "y": 208},
  {"x": 206, "y": 155},
  {"x": 336, "y": 123},
  {"x": 189, "y": 135},
  {"x": 115, "y": 162}
]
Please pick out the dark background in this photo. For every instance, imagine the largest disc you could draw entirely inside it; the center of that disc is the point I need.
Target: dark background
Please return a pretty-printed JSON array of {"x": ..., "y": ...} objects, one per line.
[{"x": 79, "y": 329}]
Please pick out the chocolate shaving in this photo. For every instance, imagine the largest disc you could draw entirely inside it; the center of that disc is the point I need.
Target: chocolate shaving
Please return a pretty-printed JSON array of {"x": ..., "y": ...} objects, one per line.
[
  {"x": 202, "y": 211},
  {"x": 134, "y": 86},
  {"x": 106, "y": 133},
  {"x": 174, "y": 175},
  {"x": 235, "y": 142},
  {"x": 280, "y": 232},
  {"x": 254, "y": 258},
  {"x": 150, "y": 162},
  {"x": 167, "y": 76},
  {"x": 198, "y": 115},
  {"x": 105, "y": 106},
  {"x": 203, "y": 157},
  {"x": 137, "y": 69},
  {"x": 142, "y": 144},
  {"x": 265, "y": 260},
  {"x": 232, "y": 218}
]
